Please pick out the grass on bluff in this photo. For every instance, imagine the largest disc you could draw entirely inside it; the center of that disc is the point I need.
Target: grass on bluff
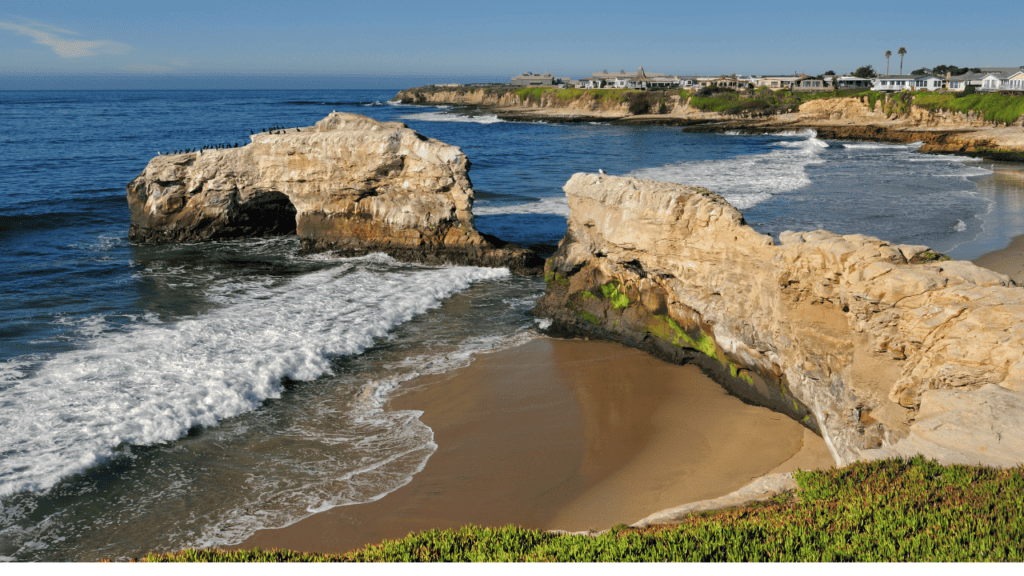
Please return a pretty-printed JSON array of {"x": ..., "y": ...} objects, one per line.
[
  {"x": 612, "y": 95},
  {"x": 1003, "y": 108},
  {"x": 884, "y": 511}
]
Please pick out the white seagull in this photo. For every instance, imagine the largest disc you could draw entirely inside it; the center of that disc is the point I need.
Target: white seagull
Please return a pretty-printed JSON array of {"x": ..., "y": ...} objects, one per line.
[{"x": 602, "y": 172}]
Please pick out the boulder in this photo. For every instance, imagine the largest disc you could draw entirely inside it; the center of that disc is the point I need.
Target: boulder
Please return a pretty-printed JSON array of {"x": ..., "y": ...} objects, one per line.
[
  {"x": 349, "y": 184},
  {"x": 873, "y": 345}
]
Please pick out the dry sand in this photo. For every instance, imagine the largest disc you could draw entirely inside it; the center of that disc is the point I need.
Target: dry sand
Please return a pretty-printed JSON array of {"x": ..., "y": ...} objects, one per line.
[{"x": 565, "y": 434}]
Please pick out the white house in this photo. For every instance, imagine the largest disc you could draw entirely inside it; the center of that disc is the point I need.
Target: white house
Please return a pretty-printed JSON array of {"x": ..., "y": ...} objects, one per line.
[
  {"x": 776, "y": 82},
  {"x": 1014, "y": 82},
  {"x": 990, "y": 82},
  {"x": 959, "y": 83},
  {"x": 898, "y": 83},
  {"x": 848, "y": 82}
]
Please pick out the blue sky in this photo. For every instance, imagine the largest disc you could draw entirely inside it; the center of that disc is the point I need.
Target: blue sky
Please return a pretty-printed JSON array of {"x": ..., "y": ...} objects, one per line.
[{"x": 191, "y": 44}]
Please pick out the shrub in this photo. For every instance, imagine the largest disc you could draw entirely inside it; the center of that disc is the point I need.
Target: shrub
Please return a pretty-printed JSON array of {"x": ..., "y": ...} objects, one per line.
[
  {"x": 884, "y": 511},
  {"x": 1005, "y": 108},
  {"x": 638, "y": 103}
]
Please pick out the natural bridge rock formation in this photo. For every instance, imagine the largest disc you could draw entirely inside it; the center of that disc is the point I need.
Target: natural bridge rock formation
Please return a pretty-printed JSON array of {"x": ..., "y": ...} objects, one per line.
[
  {"x": 885, "y": 349},
  {"x": 349, "y": 184}
]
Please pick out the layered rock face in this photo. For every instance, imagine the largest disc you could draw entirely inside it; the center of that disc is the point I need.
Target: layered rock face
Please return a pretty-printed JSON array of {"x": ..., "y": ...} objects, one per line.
[
  {"x": 349, "y": 184},
  {"x": 884, "y": 349}
]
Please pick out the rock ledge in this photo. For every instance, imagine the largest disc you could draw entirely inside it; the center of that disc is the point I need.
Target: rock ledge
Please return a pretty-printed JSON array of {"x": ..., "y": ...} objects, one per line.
[
  {"x": 882, "y": 349},
  {"x": 349, "y": 184}
]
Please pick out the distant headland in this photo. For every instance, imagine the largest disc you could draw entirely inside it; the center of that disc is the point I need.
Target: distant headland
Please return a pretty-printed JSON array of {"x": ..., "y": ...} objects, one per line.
[{"x": 968, "y": 120}]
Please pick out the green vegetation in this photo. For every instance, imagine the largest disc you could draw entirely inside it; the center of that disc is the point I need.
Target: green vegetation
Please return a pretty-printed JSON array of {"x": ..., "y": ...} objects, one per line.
[
  {"x": 555, "y": 278},
  {"x": 667, "y": 329},
  {"x": 867, "y": 71},
  {"x": 614, "y": 292},
  {"x": 763, "y": 101},
  {"x": 874, "y": 97},
  {"x": 929, "y": 256},
  {"x": 604, "y": 96},
  {"x": 583, "y": 314},
  {"x": 942, "y": 69},
  {"x": 884, "y": 511},
  {"x": 995, "y": 107}
]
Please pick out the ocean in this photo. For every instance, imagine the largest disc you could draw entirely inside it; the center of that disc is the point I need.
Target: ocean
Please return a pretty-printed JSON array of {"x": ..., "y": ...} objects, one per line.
[{"x": 154, "y": 398}]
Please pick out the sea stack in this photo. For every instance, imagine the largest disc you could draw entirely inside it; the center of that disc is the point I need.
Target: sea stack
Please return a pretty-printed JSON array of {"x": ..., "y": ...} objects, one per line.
[
  {"x": 350, "y": 184},
  {"x": 885, "y": 350}
]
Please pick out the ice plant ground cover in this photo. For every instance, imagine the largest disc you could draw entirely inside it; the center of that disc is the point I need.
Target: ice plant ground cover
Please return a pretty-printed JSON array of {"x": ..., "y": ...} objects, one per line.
[{"x": 884, "y": 511}]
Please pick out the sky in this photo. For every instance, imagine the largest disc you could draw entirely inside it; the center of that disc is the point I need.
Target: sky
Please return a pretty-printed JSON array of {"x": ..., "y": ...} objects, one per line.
[{"x": 392, "y": 43}]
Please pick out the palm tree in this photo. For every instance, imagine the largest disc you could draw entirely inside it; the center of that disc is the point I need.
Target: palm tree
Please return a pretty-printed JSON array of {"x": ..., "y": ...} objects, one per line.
[
  {"x": 901, "y": 52},
  {"x": 888, "y": 54}
]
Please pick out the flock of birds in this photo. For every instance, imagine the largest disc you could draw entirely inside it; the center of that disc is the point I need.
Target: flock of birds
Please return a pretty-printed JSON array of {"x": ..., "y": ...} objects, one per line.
[{"x": 275, "y": 129}]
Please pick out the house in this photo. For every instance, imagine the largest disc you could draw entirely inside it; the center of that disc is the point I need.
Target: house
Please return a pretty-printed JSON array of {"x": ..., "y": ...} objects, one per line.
[
  {"x": 900, "y": 82},
  {"x": 959, "y": 83},
  {"x": 689, "y": 82},
  {"x": 810, "y": 85},
  {"x": 1014, "y": 82},
  {"x": 1002, "y": 78},
  {"x": 776, "y": 82},
  {"x": 847, "y": 82},
  {"x": 590, "y": 83},
  {"x": 531, "y": 79}
]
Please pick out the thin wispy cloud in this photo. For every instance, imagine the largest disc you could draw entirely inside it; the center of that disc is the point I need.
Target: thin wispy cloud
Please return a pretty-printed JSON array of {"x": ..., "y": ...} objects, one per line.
[{"x": 57, "y": 40}]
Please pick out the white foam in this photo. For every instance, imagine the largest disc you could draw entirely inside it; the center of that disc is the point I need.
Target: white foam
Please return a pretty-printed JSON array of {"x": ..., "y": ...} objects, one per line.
[
  {"x": 873, "y": 146},
  {"x": 399, "y": 442},
  {"x": 960, "y": 226},
  {"x": 746, "y": 181},
  {"x": 805, "y": 133},
  {"x": 558, "y": 205},
  {"x": 450, "y": 117},
  {"x": 374, "y": 103},
  {"x": 153, "y": 382}
]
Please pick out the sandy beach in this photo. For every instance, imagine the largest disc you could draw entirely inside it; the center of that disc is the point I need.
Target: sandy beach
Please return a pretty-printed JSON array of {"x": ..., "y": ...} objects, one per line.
[
  {"x": 583, "y": 435},
  {"x": 578, "y": 435},
  {"x": 570, "y": 435}
]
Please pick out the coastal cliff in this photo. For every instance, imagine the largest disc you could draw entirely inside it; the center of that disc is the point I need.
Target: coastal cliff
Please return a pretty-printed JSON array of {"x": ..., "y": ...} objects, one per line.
[
  {"x": 349, "y": 184},
  {"x": 863, "y": 117},
  {"x": 883, "y": 349}
]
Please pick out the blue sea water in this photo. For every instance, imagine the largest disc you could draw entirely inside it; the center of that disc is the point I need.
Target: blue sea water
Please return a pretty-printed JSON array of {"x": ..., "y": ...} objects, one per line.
[{"x": 158, "y": 397}]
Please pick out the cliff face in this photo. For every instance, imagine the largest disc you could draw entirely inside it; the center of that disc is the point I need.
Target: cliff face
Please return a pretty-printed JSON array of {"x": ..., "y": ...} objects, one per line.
[
  {"x": 349, "y": 184},
  {"x": 585, "y": 103},
  {"x": 883, "y": 349},
  {"x": 842, "y": 118}
]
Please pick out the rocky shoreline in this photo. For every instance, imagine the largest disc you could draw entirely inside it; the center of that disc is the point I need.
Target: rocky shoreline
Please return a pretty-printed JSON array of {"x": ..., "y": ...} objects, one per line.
[
  {"x": 882, "y": 349},
  {"x": 850, "y": 118}
]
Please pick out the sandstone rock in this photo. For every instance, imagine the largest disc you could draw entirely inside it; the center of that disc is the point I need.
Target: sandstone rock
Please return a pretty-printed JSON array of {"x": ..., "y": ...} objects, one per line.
[
  {"x": 349, "y": 184},
  {"x": 853, "y": 336}
]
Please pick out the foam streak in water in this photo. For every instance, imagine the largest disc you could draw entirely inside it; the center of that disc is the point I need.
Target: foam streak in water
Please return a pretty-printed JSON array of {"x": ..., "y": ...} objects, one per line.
[
  {"x": 449, "y": 117},
  {"x": 554, "y": 205},
  {"x": 152, "y": 383},
  {"x": 746, "y": 181}
]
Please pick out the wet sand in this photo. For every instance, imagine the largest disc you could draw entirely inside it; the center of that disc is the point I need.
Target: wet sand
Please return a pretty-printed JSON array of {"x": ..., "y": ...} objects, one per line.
[
  {"x": 571, "y": 435},
  {"x": 1002, "y": 241},
  {"x": 1009, "y": 260}
]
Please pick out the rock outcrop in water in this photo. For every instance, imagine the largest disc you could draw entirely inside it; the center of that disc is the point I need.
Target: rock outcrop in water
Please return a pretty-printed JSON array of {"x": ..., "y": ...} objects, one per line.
[
  {"x": 884, "y": 349},
  {"x": 349, "y": 184}
]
